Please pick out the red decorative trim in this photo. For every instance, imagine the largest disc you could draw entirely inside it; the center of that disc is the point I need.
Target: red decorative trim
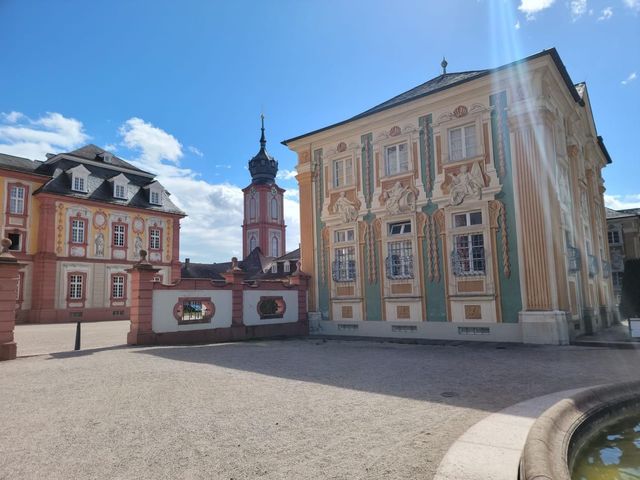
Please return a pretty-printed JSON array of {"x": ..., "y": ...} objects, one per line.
[
  {"x": 83, "y": 297},
  {"x": 161, "y": 230},
  {"x": 103, "y": 214},
  {"x": 206, "y": 302},
  {"x": 115, "y": 247},
  {"x": 84, "y": 242},
  {"x": 122, "y": 299},
  {"x": 20, "y": 295}
]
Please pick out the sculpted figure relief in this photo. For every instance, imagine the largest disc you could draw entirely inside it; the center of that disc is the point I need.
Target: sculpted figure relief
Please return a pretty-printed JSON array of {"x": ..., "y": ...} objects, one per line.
[
  {"x": 99, "y": 243},
  {"x": 466, "y": 184},
  {"x": 137, "y": 246},
  {"x": 399, "y": 199},
  {"x": 345, "y": 208}
]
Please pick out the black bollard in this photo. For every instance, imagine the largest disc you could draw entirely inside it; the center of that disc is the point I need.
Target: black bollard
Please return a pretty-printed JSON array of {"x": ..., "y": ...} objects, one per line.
[{"x": 77, "y": 347}]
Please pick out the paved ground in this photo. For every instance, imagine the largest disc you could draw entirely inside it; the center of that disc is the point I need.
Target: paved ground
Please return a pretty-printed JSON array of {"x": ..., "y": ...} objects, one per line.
[
  {"x": 38, "y": 339},
  {"x": 296, "y": 409}
]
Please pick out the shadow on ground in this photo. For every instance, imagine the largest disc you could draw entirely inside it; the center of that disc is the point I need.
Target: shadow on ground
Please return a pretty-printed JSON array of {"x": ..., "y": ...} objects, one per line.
[{"x": 485, "y": 376}]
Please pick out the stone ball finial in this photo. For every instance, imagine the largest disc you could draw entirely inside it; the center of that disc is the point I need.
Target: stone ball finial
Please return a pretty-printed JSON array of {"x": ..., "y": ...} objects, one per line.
[
  {"x": 234, "y": 263},
  {"x": 143, "y": 256},
  {"x": 6, "y": 244},
  {"x": 444, "y": 64}
]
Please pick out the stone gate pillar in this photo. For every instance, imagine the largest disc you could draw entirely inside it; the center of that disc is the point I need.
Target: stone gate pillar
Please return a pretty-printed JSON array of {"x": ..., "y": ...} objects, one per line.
[
  {"x": 141, "y": 309},
  {"x": 9, "y": 267}
]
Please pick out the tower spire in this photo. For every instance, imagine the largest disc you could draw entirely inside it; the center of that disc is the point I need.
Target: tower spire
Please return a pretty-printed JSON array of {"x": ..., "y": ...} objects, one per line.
[
  {"x": 263, "y": 140},
  {"x": 444, "y": 64}
]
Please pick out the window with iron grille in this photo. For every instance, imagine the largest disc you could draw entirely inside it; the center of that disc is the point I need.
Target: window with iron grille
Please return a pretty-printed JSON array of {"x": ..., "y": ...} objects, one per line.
[
  {"x": 192, "y": 310},
  {"x": 575, "y": 260},
  {"x": 117, "y": 286},
  {"x": 616, "y": 279},
  {"x": 75, "y": 287},
  {"x": 344, "y": 264},
  {"x": 468, "y": 254},
  {"x": 399, "y": 261}
]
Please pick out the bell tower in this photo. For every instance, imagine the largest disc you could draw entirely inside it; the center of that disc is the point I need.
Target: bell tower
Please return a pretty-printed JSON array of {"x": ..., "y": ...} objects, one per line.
[{"x": 263, "y": 224}]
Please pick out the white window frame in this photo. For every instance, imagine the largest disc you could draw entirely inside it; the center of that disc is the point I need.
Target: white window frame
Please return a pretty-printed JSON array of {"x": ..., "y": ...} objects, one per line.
[
  {"x": 78, "y": 230},
  {"x": 400, "y": 228},
  {"x": 117, "y": 287},
  {"x": 76, "y": 286},
  {"x": 119, "y": 237},
  {"x": 287, "y": 267},
  {"x": 116, "y": 192},
  {"x": 344, "y": 236},
  {"x": 274, "y": 268},
  {"x": 16, "y": 200},
  {"x": 155, "y": 237},
  {"x": 79, "y": 183},
  {"x": 610, "y": 235},
  {"x": 466, "y": 154},
  {"x": 467, "y": 265},
  {"x": 467, "y": 219},
  {"x": 275, "y": 252},
  {"x": 158, "y": 196},
  {"x": 399, "y": 258},
  {"x": 343, "y": 172},
  {"x": 398, "y": 167},
  {"x": 344, "y": 264}
]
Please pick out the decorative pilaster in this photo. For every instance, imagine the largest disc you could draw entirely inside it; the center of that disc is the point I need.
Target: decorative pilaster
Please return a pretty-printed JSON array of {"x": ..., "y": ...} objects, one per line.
[{"x": 141, "y": 310}]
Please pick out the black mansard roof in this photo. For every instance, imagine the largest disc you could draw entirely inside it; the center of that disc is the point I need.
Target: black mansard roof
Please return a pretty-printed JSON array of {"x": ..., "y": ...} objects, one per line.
[{"x": 102, "y": 167}]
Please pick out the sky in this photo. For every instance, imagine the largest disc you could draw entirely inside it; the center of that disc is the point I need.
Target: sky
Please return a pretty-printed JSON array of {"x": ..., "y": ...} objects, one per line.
[{"x": 177, "y": 88}]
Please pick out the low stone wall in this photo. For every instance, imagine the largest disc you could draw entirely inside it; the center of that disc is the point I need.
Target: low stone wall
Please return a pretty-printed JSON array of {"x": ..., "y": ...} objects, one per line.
[
  {"x": 548, "y": 449},
  {"x": 207, "y": 311}
]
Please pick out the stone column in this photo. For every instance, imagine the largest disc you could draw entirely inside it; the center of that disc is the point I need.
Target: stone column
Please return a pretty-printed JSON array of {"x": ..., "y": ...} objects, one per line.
[
  {"x": 307, "y": 219},
  {"x": 234, "y": 277},
  {"x": 43, "y": 304},
  {"x": 175, "y": 251},
  {"x": 9, "y": 267},
  {"x": 141, "y": 309}
]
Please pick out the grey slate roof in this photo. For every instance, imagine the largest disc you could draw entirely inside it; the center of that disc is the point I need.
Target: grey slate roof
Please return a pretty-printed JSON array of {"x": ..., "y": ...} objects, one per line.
[
  {"x": 449, "y": 80},
  {"x": 18, "y": 164},
  {"x": 93, "y": 152}
]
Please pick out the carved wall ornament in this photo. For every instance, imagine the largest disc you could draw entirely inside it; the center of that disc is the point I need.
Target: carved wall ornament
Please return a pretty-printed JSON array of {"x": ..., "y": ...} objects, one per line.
[
  {"x": 395, "y": 131},
  {"x": 572, "y": 151},
  {"x": 325, "y": 250},
  {"x": 99, "y": 245},
  {"x": 500, "y": 122},
  {"x": 100, "y": 219},
  {"x": 438, "y": 223},
  {"x": 399, "y": 199},
  {"x": 466, "y": 184},
  {"x": 498, "y": 219},
  {"x": 341, "y": 147},
  {"x": 138, "y": 225},
  {"x": 427, "y": 154},
  {"x": 367, "y": 168},
  {"x": 60, "y": 228},
  {"x": 137, "y": 246},
  {"x": 345, "y": 208},
  {"x": 460, "y": 111},
  {"x": 372, "y": 273}
]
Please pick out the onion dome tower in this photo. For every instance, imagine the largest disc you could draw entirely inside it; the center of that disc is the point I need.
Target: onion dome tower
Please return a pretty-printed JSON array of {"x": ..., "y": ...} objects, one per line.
[{"x": 263, "y": 224}]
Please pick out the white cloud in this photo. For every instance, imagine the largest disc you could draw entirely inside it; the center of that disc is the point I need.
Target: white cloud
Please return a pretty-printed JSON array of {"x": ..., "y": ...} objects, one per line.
[
  {"x": 606, "y": 14},
  {"x": 33, "y": 138},
  {"x": 622, "y": 202},
  {"x": 578, "y": 8},
  {"x": 292, "y": 193},
  {"x": 632, "y": 76},
  {"x": 195, "y": 151},
  {"x": 531, "y": 7},
  {"x": 285, "y": 174},
  {"x": 212, "y": 231},
  {"x": 633, "y": 4},
  {"x": 517, "y": 25},
  {"x": 110, "y": 147}
]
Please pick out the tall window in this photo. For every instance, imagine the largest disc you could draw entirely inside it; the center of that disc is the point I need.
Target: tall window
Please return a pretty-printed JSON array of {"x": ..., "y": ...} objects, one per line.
[
  {"x": 344, "y": 265},
  {"x": 154, "y": 239},
  {"x": 16, "y": 200},
  {"x": 469, "y": 254},
  {"x": 399, "y": 260},
  {"x": 614, "y": 237},
  {"x": 119, "y": 191},
  {"x": 396, "y": 159},
  {"x": 79, "y": 184},
  {"x": 462, "y": 143},
  {"x": 274, "y": 209},
  {"x": 275, "y": 246},
  {"x": 252, "y": 208},
  {"x": 117, "y": 287},
  {"x": 119, "y": 235},
  {"x": 342, "y": 172},
  {"x": 253, "y": 243},
  {"x": 76, "y": 286},
  {"x": 77, "y": 230}
]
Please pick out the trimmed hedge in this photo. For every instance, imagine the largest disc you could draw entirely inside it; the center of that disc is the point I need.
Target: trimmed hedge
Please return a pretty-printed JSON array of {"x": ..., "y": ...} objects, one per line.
[{"x": 630, "y": 303}]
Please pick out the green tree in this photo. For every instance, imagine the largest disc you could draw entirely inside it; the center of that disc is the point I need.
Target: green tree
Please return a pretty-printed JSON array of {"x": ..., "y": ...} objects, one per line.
[{"x": 630, "y": 303}]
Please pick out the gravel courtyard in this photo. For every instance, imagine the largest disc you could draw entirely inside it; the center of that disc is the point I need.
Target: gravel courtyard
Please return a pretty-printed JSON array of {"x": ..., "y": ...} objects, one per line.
[{"x": 294, "y": 409}]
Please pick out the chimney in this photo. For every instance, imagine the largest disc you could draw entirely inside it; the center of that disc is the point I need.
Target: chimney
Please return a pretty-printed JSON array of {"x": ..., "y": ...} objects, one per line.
[{"x": 186, "y": 262}]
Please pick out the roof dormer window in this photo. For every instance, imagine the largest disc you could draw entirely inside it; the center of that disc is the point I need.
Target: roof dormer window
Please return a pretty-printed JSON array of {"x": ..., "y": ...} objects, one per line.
[
  {"x": 154, "y": 197},
  {"x": 79, "y": 179},
  {"x": 120, "y": 184}
]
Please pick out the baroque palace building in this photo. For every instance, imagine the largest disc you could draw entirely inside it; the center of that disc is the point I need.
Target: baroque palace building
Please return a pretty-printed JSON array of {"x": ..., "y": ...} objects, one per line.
[
  {"x": 77, "y": 222},
  {"x": 470, "y": 207}
]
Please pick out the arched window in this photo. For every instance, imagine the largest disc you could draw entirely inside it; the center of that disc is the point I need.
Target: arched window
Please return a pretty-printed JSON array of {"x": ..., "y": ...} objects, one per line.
[
  {"x": 274, "y": 246},
  {"x": 253, "y": 243},
  {"x": 274, "y": 208},
  {"x": 252, "y": 208}
]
